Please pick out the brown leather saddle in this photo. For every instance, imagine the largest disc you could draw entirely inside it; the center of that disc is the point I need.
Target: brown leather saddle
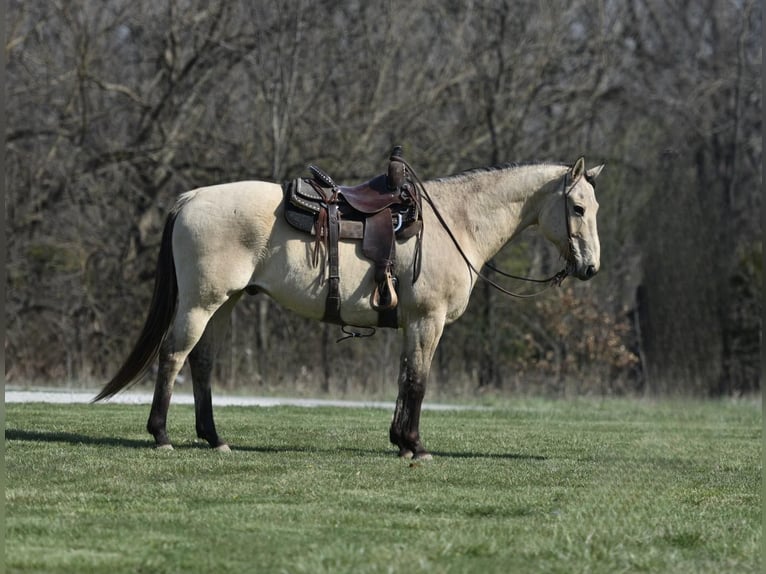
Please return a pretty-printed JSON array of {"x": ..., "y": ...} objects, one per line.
[{"x": 376, "y": 212}]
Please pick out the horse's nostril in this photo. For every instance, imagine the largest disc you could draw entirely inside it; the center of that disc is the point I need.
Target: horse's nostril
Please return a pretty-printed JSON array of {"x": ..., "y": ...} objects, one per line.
[{"x": 590, "y": 271}]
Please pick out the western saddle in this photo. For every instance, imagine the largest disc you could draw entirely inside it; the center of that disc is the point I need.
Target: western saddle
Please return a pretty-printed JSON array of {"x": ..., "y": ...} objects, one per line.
[{"x": 377, "y": 212}]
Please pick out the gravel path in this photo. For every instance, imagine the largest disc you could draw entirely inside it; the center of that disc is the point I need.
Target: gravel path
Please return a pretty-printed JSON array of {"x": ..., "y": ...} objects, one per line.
[{"x": 65, "y": 396}]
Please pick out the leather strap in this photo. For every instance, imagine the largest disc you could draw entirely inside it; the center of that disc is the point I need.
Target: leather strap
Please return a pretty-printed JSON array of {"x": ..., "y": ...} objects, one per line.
[
  {"x": 320, "y": 232},
  {"x": 332, "y": 304},
  {"x": 389, "y": 318}
]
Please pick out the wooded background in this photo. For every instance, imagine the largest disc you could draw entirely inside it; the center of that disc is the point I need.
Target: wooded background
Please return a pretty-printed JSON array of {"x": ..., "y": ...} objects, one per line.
[{"x": 115, "y": 107}]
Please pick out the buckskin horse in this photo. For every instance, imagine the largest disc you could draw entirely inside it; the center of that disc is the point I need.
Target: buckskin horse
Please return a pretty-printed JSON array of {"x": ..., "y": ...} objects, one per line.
[{"x": 222, "y": 241}]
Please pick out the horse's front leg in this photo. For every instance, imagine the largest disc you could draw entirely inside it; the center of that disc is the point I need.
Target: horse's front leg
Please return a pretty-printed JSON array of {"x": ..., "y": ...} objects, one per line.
[{"x": 420, "y": 341}]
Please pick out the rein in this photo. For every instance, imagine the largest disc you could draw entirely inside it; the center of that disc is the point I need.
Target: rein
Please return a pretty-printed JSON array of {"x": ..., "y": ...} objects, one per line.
[{"x": 555, "y": 279}]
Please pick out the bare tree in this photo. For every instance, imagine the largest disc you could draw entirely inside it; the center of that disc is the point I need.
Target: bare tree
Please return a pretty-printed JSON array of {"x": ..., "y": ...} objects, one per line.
[{"x": 114, "y": 108}]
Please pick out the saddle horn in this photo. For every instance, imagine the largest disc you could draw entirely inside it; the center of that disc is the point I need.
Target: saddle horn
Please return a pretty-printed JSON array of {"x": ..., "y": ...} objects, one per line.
[{"x": 396, "y": 169}]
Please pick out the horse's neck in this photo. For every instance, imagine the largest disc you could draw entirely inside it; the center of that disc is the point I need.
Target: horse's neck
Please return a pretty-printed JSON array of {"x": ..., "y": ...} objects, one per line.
[{"x": 488, "y": 208}]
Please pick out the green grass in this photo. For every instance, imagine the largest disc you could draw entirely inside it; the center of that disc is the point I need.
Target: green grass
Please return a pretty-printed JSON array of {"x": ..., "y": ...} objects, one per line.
[{"x": 532, "y": 486}]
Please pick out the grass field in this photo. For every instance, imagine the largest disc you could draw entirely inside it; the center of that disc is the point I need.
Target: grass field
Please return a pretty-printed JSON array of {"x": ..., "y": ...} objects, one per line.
[{"x": 530, "y": 486}]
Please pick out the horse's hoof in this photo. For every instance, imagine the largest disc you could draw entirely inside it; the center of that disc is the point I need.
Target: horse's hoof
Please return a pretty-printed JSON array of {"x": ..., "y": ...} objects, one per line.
[
  {"x": 166, "y": 446},
  {"x": 406, "y": 453},
  {"x": 424, "y": 456},
  {"x": 222, "y": 448}
]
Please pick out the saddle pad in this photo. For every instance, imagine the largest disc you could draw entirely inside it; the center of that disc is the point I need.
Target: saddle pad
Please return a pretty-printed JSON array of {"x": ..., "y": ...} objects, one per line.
[
  {"x": 302, "y": 214},
  {"x": 300, "y": 219},
  {"x": 302, "y": 194}
]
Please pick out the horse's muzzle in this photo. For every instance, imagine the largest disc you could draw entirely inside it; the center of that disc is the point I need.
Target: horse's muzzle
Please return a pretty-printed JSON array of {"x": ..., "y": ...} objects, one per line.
[
  {"x": 583, "y": 272},
  {"x": 586, "y": 272}
]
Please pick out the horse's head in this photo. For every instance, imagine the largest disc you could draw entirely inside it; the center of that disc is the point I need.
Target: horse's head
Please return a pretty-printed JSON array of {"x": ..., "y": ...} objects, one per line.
[{"x": 568, "y": 220}]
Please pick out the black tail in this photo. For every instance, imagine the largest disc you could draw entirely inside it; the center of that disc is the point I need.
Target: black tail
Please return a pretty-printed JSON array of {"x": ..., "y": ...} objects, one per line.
[{"x": 161, "y": 312}]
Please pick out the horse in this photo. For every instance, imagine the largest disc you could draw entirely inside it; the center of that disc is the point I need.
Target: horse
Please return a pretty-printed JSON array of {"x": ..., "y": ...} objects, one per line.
[{"x": 222, "y": 241}]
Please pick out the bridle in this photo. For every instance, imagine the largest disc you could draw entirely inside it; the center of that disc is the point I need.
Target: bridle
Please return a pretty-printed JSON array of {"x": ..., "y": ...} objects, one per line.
[{"x": 555, "y": 279}]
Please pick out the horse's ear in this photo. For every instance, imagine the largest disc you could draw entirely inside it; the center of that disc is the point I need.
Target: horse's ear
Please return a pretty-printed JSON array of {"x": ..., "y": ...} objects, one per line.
[
  {"x": 595, "y": 171},
  {"x": 578, "y": 169}
]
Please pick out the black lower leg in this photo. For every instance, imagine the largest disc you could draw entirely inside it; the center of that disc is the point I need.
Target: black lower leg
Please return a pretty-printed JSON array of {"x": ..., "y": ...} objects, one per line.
[
  {"x": 201, "y": 364},
  {"x": 157, "y": 423},
  {"x": 205, "y": 424},
  {"x": 404, "y": 431}
]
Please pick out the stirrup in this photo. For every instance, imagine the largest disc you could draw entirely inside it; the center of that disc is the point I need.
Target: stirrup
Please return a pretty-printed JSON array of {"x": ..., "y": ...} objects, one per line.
[{"x": 389, "y": 287}]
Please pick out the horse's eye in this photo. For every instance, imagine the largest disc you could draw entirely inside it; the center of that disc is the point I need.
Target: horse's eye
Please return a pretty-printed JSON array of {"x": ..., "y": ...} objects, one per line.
[{"x": 579, "y": 210}]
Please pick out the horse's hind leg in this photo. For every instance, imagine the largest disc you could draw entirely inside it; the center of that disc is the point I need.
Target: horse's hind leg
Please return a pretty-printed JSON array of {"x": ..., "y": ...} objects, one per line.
[
  {"x": 420, "y": 343},
  {"x": 201, "y": 362},
  {"x": 187, "y": 329},
  {"x": 163, "y": 390}
]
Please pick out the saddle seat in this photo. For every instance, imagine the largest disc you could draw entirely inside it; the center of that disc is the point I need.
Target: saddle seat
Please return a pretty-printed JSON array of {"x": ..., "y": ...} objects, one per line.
[
  {"x": 377, "y": 211},
  {"x": 370, "y": 197}
]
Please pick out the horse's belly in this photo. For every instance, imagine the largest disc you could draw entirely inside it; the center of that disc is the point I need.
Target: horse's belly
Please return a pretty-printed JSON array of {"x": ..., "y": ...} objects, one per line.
[{"x": 289, "y": 276}]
